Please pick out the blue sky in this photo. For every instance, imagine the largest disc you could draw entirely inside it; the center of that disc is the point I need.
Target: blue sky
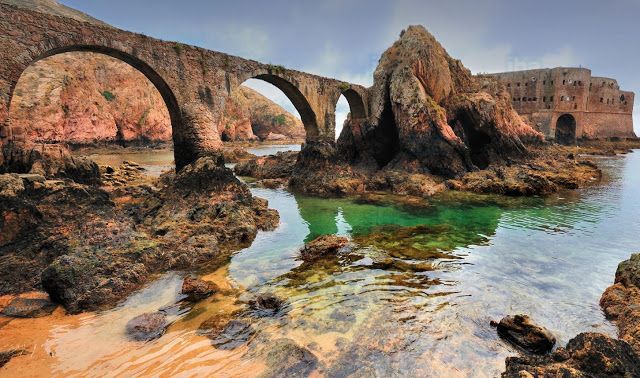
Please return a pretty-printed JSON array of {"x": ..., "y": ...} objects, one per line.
[{"x": 344, "y": 38}]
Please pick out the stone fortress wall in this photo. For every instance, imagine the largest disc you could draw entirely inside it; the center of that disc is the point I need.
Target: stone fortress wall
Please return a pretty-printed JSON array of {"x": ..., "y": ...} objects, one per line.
[{"x": 568, "y": 103}]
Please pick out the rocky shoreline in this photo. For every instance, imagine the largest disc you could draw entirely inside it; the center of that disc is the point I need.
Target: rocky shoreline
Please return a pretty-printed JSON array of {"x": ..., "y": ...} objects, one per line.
[{"x": 90, "y": 245}]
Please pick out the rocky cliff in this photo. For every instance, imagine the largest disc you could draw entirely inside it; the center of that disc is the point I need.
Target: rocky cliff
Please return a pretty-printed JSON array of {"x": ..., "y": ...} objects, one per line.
[
  {"x": 55, "y": 8},
  {"x": 86, "y": 98},
  {"x": 427, "y": 109}
]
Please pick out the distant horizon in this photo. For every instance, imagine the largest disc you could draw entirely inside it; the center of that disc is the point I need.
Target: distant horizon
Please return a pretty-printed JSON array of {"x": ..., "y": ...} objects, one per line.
[{"x": 345, "y": 39}]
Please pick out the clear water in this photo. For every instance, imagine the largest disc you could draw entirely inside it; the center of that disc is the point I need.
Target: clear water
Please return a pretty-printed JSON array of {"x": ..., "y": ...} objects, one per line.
[{"x": 404, "y": 303}]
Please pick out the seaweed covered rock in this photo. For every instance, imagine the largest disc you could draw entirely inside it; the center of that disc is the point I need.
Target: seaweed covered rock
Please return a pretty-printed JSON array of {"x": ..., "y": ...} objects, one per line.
[
  {"x": 147, "y": 327},
  {"x": 586, "y": 355},
  {"x": 427, "y": 107},
  {"x": 285, "y": 358},
  {"x": 196, "y": 289},
  {"x": 325, "y": 245},
  {"x": 523, "y": 332}
]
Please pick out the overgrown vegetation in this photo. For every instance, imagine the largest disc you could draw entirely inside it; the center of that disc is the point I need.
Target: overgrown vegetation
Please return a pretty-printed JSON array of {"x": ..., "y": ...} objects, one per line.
[
  {"x": 143, "y": 117},
  {"x": 279, "y": 119},
  {"x": 108, "y": 96},
  {"x": 344, "y": 86},
  {"x": 178, "y": 47},
  {"x": 275, "y": 69}
]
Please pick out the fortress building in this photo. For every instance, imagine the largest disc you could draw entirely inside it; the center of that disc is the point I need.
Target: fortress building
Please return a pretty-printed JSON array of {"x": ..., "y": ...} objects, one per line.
[{"x": 569, "y": 103}]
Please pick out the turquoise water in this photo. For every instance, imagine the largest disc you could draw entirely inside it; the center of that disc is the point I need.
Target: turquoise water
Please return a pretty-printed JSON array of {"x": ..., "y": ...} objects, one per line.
[
  {"x": 416, "y": 295},
  {"x": 550, "y": 258}
]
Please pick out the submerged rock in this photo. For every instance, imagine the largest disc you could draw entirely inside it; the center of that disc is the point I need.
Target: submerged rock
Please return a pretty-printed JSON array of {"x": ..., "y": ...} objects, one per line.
[
  {"x": 325, "y": 245},
  {"x": 147, "y": 327},
  {"x": 523, "y": 332},
  {"x": 276, "y": 166},
  {"x": 196, "y": 289},
  {"x": 21, "y": 307},
  {"x": 586, "y": 355},
  {"x": 287, "y": 359},
  {"x": 266, "y": 304},
  {"x": 234, "y": 334}
]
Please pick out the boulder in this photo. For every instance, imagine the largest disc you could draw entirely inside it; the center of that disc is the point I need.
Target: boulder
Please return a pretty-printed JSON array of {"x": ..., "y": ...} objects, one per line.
[
  {"x": 197, "y": 290},
  {"x": 147, "y": 327},
  {"x": 586, "y": 355},
  {"x": 287, "y": 359},
  {"x": 278, "y": 166},
  {"x": 524, "y": 333},
  {"x": 234, "y": 334},
  {"x": 325, "y": 245},
  {"x": 29, "y": 308}
]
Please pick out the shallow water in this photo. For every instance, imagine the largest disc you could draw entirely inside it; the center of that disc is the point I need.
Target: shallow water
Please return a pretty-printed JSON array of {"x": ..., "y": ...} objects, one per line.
[{"x": 408, "y": 302}]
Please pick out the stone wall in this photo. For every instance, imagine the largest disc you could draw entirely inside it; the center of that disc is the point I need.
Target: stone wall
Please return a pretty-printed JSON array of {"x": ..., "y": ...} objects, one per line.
[{"x": 600, "y": 108}]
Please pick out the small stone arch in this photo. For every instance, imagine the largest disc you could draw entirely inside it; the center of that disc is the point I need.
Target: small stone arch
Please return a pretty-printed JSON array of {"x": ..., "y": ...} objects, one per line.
[
  {"x": 295, "y": 95},
  {"x": 356, "y": 103},
  {"x": 566, "y": 129}
]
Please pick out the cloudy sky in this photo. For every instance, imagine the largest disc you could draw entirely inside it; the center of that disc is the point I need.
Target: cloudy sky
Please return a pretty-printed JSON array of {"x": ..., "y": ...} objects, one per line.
[{"x": 344, "y": 38}]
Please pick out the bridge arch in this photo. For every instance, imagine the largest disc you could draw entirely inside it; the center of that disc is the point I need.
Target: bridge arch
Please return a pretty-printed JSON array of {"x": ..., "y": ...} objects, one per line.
[
  {"x": 160, "y": 84},
  {"x": 291, "y": 89},
  {"x": 566, "y": 129}
]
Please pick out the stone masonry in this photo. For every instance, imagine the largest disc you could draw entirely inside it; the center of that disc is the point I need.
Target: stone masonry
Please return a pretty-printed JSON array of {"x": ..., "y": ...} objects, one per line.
[
  {"x": 194, "y": 83},
  {"x": 569, "y": 103}
]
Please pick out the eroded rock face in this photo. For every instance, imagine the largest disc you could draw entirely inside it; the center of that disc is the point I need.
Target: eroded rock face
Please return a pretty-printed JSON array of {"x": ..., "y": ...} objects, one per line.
[
  {"x": 427, "y": 106},
  {"x": 523, "y": 332},
  {"x": 621, "y": 302},
  {"x": 586, "y": 355}
]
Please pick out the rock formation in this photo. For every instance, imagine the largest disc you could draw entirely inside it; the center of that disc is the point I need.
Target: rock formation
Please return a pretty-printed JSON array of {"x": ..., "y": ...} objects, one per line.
[{"x": 428, "y": 110}]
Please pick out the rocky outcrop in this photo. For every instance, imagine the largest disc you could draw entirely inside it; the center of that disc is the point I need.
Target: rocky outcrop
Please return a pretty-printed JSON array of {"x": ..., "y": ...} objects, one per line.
[
  {"x": 621, "y": 302},
  {"x": 284, "y": 358},
  {"x": 427, "y": 108},
  {"x": 275, "y": 166},
  {"x": 89, "y": 247},
  {"x": 524, "y": 333},
  {"x": 55, "y": 8},
  {"x": 6, "y": 356}
]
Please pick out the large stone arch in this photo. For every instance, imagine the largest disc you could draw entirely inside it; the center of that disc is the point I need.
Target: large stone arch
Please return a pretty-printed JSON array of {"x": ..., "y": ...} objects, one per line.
[
  {"x": 161, "y": 85},
  {"x": 566, "y": 126}
]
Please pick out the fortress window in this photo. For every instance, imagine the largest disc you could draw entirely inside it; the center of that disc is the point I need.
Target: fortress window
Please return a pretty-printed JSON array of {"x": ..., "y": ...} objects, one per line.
[
  {"x": 575, "y": 83},
  {"x": 573, "y": 98},
  {"x": 524, "y": 99},
  {"x": 544, "y": 82},
  {"x": 518, "y": 84},
  {"x": 551, "y": 98},
  {"x": 551, "y": 82},
  {"x": 564, "y": 82},
  {"x": 526, "y": 84},
  {"x": 535, "y": 99},
  {"x": 622, "y": 98},
  {"x": 601, "y": 99},
  {"x": 575, "y": 106},
  {"x": 544, "y": 99},
  {"x": 508, "y": 85},
  {"x": 580, "y": 83}
]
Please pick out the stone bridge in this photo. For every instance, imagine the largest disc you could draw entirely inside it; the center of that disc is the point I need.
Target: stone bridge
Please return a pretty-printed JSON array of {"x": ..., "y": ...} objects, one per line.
[{"x": 194, "y": 82}]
